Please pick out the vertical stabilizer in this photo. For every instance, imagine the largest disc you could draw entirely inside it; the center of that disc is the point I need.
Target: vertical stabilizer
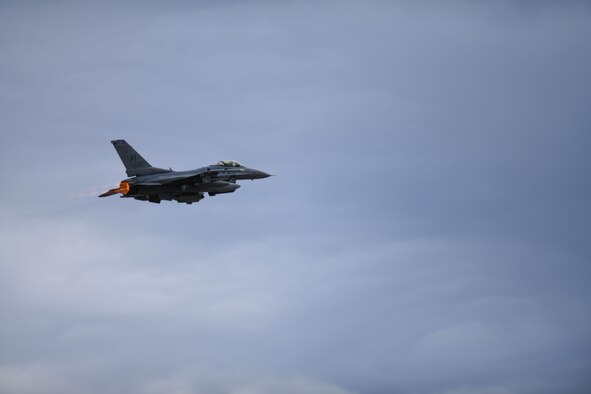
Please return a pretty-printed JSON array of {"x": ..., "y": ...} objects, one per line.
[{"x": 130, "y": 158}]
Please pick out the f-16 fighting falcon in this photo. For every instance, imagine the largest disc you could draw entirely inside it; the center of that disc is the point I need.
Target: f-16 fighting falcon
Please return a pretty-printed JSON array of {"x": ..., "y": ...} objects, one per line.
[{"x": 154, "y": 184}]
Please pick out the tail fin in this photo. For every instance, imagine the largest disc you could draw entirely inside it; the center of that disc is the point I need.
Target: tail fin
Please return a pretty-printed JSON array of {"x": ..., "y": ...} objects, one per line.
[
  {"x": 134, "y": 163},
  {"x": 130, "y": 158}
]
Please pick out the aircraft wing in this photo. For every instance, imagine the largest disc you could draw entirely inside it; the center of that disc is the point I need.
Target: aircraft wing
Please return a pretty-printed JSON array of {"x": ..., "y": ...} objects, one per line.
[{"x": 181, "y": 177}]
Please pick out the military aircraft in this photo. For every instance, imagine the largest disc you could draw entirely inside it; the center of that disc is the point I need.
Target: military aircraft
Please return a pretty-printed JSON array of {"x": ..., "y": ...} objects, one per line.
[{"x": 153, "y": 184}]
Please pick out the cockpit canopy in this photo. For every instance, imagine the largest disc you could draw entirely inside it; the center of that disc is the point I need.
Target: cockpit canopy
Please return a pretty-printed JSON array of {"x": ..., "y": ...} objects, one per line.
[{"x": 229, "y": 163}]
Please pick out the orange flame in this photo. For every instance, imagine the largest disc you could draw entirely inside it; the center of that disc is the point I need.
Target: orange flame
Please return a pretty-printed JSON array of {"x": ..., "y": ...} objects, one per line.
[{"x": 123, "y": 189}]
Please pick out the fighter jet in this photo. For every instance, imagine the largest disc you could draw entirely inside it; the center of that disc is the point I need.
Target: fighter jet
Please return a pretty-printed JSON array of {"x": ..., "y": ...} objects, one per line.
[{"x": 153, "y": 184}]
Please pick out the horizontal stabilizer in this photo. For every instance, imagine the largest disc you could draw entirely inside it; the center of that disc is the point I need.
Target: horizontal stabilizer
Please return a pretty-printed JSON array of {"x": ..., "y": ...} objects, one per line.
[
  {"x": 123, "y": 189},
  {"x": 109, "y": 193}
]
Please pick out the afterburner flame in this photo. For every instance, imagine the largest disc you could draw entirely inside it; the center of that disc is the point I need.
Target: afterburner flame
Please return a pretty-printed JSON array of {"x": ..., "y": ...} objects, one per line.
[{"x": 123, "y": 189}]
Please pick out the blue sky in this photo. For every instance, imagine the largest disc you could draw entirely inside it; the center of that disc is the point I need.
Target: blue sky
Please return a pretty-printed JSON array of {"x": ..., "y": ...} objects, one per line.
[{"x": 427, "y": 230}]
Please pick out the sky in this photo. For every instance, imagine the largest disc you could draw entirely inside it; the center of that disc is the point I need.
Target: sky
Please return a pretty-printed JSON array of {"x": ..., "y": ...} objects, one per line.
[{"x": 426, "y": 231}]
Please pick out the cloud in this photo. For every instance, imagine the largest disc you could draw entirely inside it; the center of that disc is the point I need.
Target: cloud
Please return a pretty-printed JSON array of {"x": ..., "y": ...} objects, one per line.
[
  {"x": 429, "y": 216},
  {"x": 191, "y": 382},
  {"x": 383, "y": 316}
]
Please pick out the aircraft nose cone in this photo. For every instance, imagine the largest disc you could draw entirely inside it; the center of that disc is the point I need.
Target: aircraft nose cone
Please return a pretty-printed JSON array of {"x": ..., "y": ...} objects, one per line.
[{"x": 262, "y": 174}]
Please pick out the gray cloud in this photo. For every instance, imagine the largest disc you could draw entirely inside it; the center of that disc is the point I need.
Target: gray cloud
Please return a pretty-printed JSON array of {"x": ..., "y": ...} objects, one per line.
[{"x": 427, "y": 231}]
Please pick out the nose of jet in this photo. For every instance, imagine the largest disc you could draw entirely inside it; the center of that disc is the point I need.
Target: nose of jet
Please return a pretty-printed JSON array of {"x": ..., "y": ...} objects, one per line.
[{"x": 261, "y": 174}]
